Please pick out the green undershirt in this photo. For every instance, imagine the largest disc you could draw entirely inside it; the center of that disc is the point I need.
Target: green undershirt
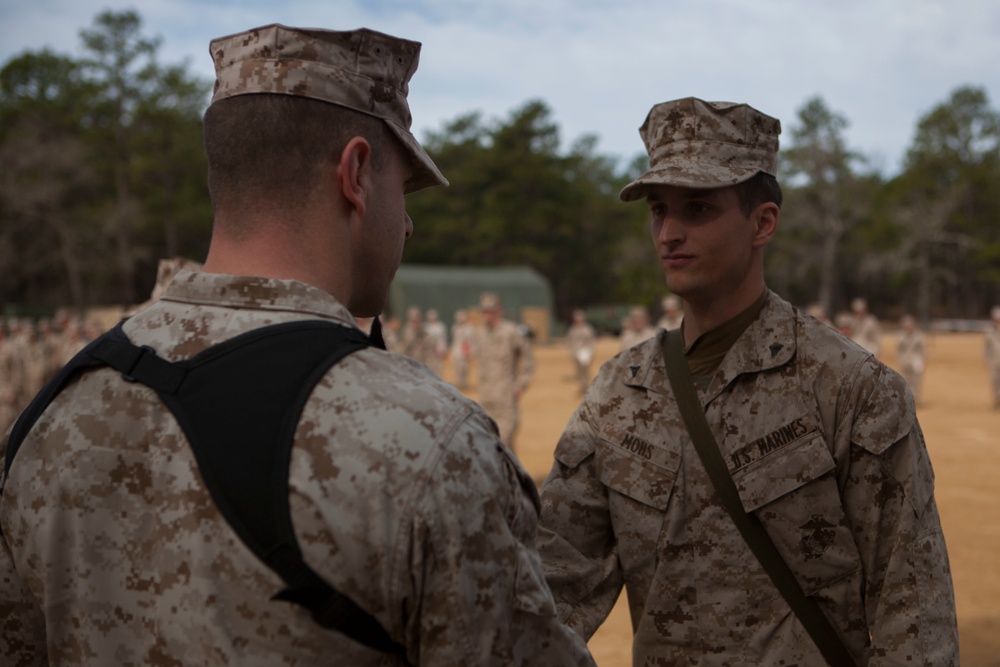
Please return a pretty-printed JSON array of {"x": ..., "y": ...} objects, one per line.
[{"x": 707, "y": 352}]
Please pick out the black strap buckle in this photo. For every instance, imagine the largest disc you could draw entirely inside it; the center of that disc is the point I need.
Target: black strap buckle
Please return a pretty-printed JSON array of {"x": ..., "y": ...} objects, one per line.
[{"x": 143, "y": 351}]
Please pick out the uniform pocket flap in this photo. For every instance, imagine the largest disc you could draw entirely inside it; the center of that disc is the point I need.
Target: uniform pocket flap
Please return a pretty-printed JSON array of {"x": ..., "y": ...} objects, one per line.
[
  {"x": 635, "y": 474},
  {"x": 888, "y": 416},
  {"x": 782, "y": 471},
  {"x": 574, "y": 447}
]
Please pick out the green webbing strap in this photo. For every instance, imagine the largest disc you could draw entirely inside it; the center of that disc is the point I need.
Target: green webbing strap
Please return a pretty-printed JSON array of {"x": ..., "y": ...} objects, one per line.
[{"x": 805, "y": 608}]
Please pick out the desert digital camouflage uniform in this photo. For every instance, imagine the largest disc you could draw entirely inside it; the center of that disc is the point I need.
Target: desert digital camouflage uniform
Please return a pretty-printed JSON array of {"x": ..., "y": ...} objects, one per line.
[
  {"x": 11, "y": 375},
  {"x": 991, "y": 352},
  {"x": 865, "y": 328},
  {"x": 462, "y": 333},
  {"x": 672, "y": 315},
  {"x": 506, "y": 366},
  {"x": 580, "y": 338},
  {"x": 832, "y": 461},
  {"x": 823, "y": 443},
  {"x": 820, "y": 438},
  {"x": 113, "y": 552},
  {"x": 36, "y": 365},
  {"x": 49, "y": 340},
  {"x": 74, "y": 339},
  {"x": 437, "y": 341},
  {"x": 638, "y": 329},
  {"x": 911, "y": 355},
  {"x": 30, "y": 366},
  {"x": 413, "y": 339},
  {"x": 390, "y": 334}
]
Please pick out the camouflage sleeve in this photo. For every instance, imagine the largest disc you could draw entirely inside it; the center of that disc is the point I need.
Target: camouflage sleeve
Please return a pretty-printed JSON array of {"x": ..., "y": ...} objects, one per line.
[
  {"x": 889, "y": 500},
  {"x": 22, "y": 626},
  {"x": 576, "y": 538},
  {"x": 477, "y": 572}
]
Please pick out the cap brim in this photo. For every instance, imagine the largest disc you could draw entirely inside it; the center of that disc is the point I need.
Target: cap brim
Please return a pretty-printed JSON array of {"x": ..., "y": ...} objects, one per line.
[
  {"x": 425, "y": 172},
  {"x": 697, "y": 175}
]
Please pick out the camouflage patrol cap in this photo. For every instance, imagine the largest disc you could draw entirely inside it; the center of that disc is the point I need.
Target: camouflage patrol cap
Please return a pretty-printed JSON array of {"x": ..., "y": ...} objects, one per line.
[
  {"x": 363, "y": 70},
  {"x": 489, "y": 301},
  {"x": 697, "y": 144}
]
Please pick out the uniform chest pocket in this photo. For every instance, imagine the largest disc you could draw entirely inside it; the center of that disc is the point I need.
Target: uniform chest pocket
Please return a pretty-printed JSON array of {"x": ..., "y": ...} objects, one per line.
[
  {"x": 638, "y": 469},
  {"x": 794, "y": 492}
]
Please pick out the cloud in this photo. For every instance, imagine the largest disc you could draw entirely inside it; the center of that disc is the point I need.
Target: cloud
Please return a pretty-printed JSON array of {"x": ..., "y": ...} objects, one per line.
[{"x": 601, "y": 64}]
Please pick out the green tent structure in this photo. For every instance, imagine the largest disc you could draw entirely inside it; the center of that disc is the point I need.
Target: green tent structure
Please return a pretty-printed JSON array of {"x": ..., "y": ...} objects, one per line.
[{"x": 525, "y": 293}]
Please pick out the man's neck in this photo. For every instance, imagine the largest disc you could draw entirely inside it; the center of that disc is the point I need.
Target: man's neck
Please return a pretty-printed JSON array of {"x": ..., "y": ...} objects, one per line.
[
  {"x": 273, "y": 251},
  {"x": 701, "y": 316}
]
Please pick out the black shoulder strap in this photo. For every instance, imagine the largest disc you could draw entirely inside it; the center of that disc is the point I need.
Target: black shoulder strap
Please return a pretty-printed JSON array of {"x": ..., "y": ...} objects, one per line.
[
  {"x": 826, "y": 638},
  {"x": 80, "y": 362},
  {"x": 239, "y": 404}
]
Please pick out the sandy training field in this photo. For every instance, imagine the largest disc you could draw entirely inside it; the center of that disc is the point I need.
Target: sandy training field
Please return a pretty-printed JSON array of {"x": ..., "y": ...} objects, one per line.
[{"x": 963, "y": 436}]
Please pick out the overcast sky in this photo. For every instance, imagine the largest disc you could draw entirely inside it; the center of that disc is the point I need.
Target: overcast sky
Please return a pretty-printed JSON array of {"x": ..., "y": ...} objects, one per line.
[{"x": 601, "y": 64}]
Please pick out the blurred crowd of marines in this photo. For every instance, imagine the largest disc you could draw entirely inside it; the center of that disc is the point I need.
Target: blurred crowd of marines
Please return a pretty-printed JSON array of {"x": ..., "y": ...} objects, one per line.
[{"x": 31, "y": 351}]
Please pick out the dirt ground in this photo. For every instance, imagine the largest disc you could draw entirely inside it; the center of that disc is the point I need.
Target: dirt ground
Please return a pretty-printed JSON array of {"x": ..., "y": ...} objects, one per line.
[{"x": 963, "y": 437}]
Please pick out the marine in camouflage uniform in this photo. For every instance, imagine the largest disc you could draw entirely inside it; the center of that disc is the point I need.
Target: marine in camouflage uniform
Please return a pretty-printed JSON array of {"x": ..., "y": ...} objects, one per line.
[
  {"x": 74, "y": 338},
  {"x": 462, "y": 334},
  {"x": 437, "y": 341},
  {"x": 402, "y": 497},
  {"x": 865, "y": 328},
  {"x": 638, "y": 328},
  {"x": 672, "y": 315},
  {"x": 16, "y": 379},
  {"x": 911, "y": 355},
  {"x": 35, "y": 351},
  {"x": 390, "y": 334},
  {"x": 991, "y": 352},
  {"x": 413, "y": 339},
  {"x": 820, "y": 438},
  {"x": 50, "y": 342},
  {"x": 506, "y": 365},
  {"x": 580, "y": 338},
  {"x": 11, "y": 377}
]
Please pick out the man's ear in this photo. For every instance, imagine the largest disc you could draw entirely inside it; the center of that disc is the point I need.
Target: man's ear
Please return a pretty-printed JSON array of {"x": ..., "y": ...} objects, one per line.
[
  {"x": 354, "y": 173},
  {"x": 765, "y": 219}
]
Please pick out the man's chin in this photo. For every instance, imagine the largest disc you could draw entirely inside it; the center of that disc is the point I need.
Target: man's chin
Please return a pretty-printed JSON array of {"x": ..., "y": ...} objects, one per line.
[
  {"x": 372, "y": 308},
  {"x": 678, "y": 287}
]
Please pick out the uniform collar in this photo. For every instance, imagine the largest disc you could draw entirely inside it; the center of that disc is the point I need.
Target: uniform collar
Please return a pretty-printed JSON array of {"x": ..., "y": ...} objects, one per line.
[
  {"x": 769, "y": 342},
  {"x": 254, "y": 292}
]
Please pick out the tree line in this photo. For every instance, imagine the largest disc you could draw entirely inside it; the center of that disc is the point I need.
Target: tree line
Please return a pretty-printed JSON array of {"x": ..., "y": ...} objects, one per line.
[{"x": 104, "y": 175}]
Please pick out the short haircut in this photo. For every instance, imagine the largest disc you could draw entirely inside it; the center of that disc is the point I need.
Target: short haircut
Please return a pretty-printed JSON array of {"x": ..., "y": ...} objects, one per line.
[
  {"x": 759, "y": 189},
  {"x": 267, "y": 150}
]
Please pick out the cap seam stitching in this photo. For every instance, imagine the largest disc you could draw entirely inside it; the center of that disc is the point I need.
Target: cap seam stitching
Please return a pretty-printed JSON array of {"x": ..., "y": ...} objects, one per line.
[{"x": 312, "y": 63}]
